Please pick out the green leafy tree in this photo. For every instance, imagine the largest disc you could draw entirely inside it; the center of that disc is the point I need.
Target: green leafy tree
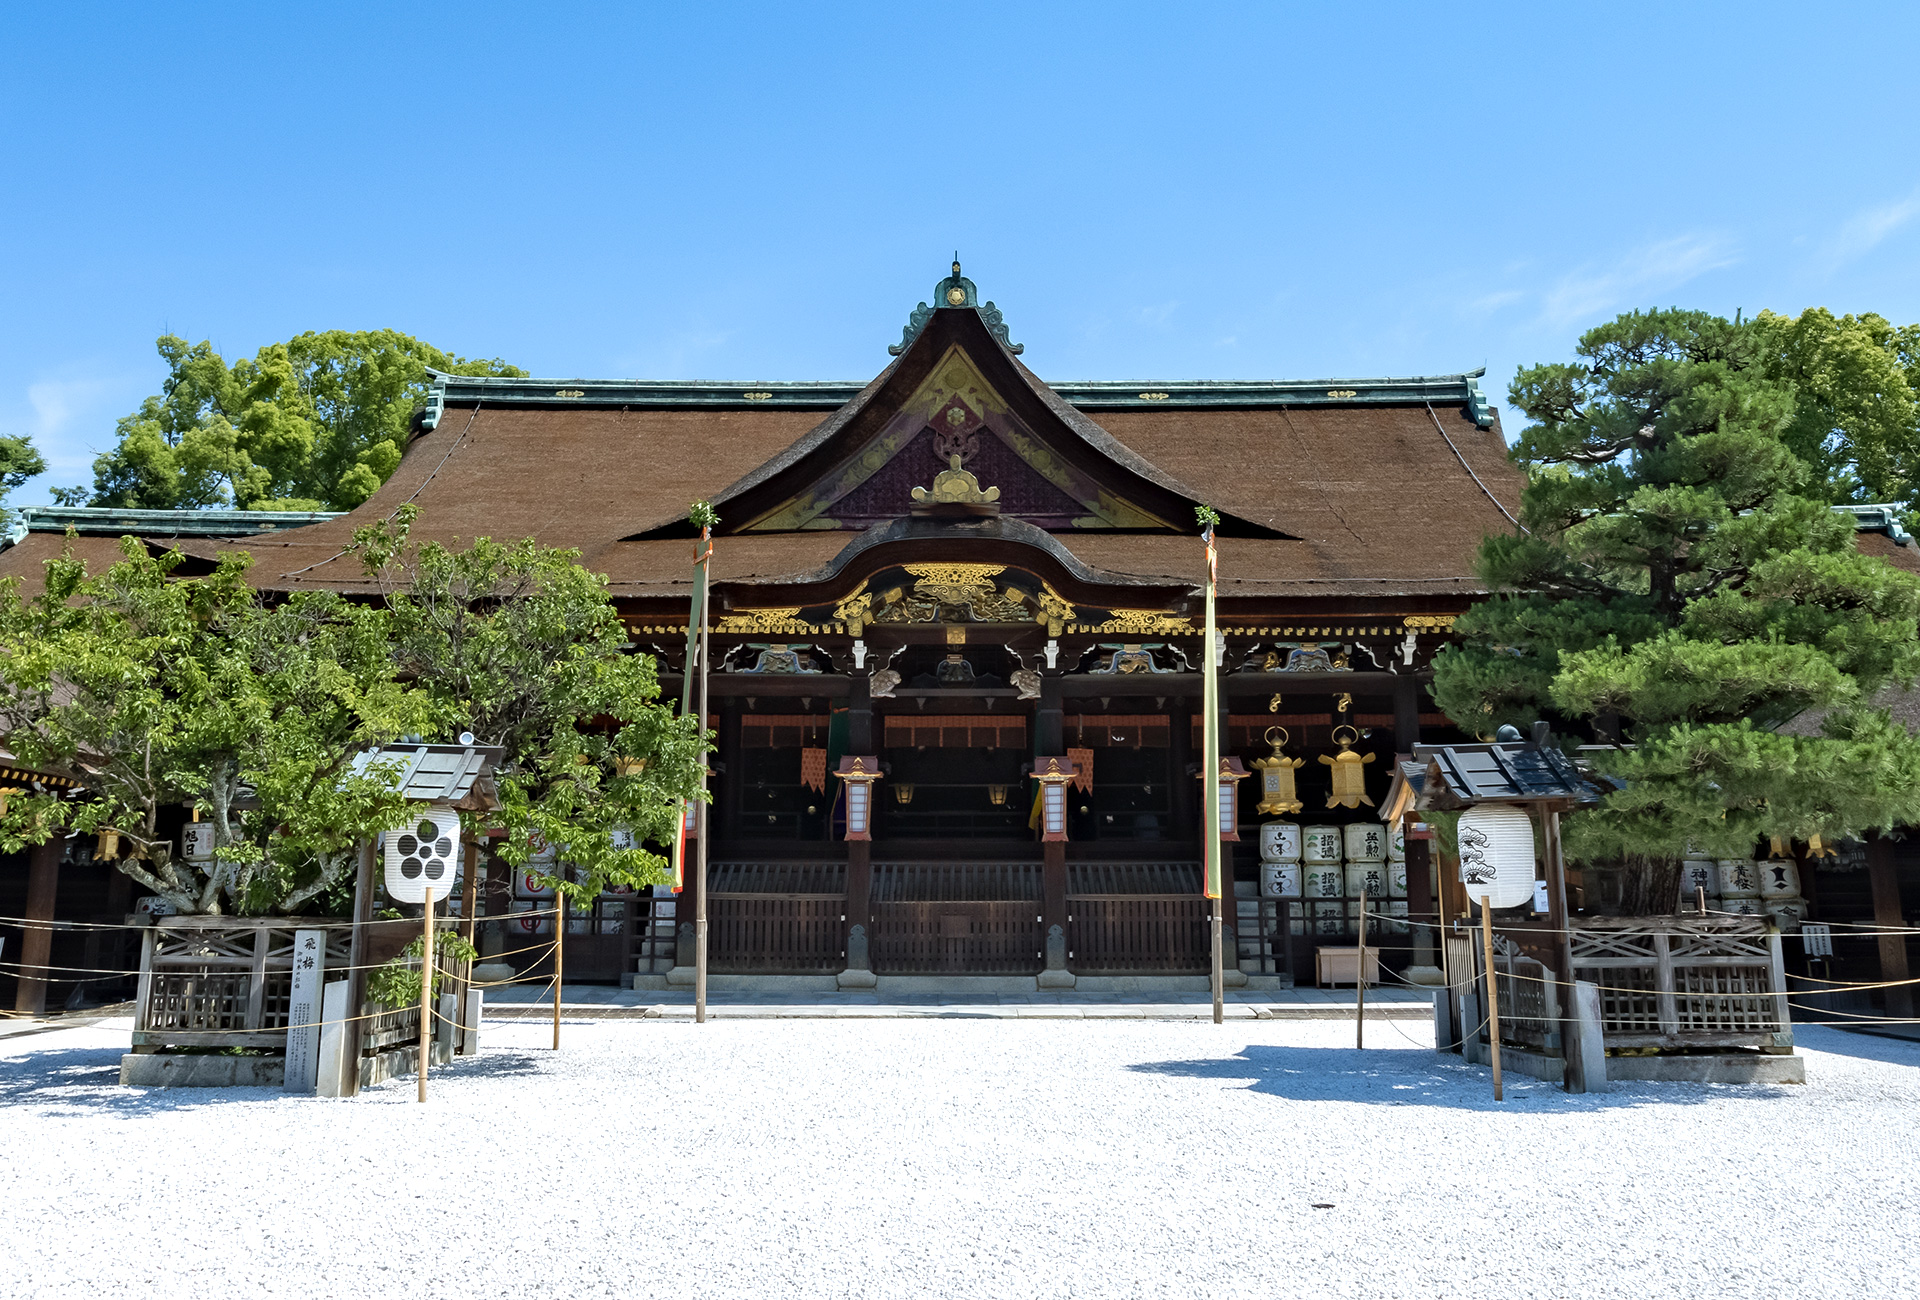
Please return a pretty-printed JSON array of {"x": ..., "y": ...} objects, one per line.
[
  {"x": 18, "y": 463},
  {"x": 522, "y": 646},
  {"x": 1675, "y": 590},
  {"x": 315, "y": 423},
  {"x": 1856, "y": 420},
  {"x": 150, "y": 691}
]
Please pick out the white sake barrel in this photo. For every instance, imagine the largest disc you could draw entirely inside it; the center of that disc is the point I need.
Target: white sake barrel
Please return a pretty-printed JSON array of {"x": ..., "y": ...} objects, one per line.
[
  {"x": 1397, "y": 842},
  {"x": 1397, "y": 916},
  {"x": 1366, "y": 842},
  {"x": 1353, "y": 918},
  {"x": 1396, "y": 878},
  {"x": 1296, "y": 918},
  {"x": 1739, "y": 878},
  {"x": 1280, "y": 880},
  {"x": 1320, "y": 844},
  {"x": 1779, "y": 878},
  {"x": 1740, "y": 906},
  {"x": 1329, "y": 920},
  {"x": 1279, "y": 842},
  {"x": 1370, "y": 877},
  {"x": 1325, "y": 882},
  {"x": 1787, "y": 913},
  {"x": 1696, "y": 874}
]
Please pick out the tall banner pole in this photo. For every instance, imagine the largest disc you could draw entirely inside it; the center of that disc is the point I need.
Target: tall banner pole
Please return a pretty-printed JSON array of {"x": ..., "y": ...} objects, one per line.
[
  {"x": 700, "y": 812},
  {"x": 1210, "y": 765}
]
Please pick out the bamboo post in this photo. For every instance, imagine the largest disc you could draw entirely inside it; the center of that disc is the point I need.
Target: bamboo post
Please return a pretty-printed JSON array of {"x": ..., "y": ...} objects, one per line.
[
  {"x": 704, "y": 825},
  {"x": 1493, "y": 991},
  {"x": 1700, "y": 897},
  {"x": 559, "y": 958},
  {"x": 426, "y": 988},
  {"x": 1214, "y": 870},
  {"x": 1360, "y": 982}
]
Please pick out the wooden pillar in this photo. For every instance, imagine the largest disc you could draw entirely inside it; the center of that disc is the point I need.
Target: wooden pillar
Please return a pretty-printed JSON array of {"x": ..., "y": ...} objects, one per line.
[
  {"x": 1183, "y": 812},
  {"x": 859, "y": 901},
  {"x": 1406, "y": 714},
  {"x": 729, "y": 804},
  {"x": 36, "y": 941},
  {"x": 860, "y": 736},
  {"x": 1888, "y": 914},
  {"x": 1423, "y": 920},
  {"x": 357, "y": 951}
]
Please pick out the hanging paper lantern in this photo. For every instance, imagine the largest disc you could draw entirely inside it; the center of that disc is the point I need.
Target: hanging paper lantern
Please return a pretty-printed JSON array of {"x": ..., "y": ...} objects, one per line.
[
  {"x": 421, "y": 855},
  {"x": 1496, "y": 854}
]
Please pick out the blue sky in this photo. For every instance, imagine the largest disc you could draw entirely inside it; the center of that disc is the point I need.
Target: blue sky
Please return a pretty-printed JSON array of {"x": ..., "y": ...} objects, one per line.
[{"x": 764, "y": 191}]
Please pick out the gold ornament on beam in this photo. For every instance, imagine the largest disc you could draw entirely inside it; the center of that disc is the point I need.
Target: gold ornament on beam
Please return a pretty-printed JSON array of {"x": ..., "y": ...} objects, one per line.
[
  {"x": 1276, "y": 777},
  {"x": 1349, "y": 772}
]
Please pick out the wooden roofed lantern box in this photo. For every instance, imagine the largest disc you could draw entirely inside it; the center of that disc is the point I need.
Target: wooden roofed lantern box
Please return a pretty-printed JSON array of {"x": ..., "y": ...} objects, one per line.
[{"x": 1585, "y": 999}]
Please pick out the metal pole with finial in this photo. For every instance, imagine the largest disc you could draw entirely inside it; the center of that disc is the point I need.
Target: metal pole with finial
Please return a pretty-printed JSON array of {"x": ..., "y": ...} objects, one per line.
[{"x": 1210, "y": 766}]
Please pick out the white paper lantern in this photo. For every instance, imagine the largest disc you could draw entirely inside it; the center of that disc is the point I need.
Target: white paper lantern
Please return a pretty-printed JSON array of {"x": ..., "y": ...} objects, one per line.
[
  {"x": 1366, "y": 842},
  {"x": 1280, "y": 879},
  {"x": 1496, "y": 854},
  {"x": 423, "y": 855},
  {"x": 1739, "y": 878},
  {"x": 1370, "y": 877},
  {"x": 1321, "y": 844},
  {"x": 1779, "y": 878},
  {"x": 1397, "y": 842},
  {"x": 1279, "y": 842}
]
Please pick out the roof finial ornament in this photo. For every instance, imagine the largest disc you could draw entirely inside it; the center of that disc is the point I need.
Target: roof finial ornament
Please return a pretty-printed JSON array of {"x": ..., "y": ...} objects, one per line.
[{"x": 956, "y": 292}]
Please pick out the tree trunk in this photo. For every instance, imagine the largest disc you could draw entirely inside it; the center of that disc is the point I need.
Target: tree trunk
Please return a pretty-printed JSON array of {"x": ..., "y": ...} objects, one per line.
[{"x": 1649, "y": 886}]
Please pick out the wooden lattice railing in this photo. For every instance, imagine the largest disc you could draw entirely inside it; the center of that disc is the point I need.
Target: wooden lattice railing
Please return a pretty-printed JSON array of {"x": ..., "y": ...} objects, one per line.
[
  {"x": 1685, "y": 981},
  {"x": 222, "y": 981}
]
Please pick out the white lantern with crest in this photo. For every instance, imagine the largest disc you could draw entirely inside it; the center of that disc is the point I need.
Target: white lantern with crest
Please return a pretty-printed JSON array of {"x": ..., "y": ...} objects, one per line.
[{"x": 1496, "y": 854}]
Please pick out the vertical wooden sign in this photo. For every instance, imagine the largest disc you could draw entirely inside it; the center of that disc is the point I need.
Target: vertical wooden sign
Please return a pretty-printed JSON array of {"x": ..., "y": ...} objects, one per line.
[{"x": 303, "y": 1010}]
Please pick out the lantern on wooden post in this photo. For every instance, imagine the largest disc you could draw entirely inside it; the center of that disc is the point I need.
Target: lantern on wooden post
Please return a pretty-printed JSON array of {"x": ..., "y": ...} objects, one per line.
[
  {"x": 1496, "y": 854},
  {"x": 859, "y": 771},
  {"x": 1054, "y": 774},
  {"x": 1232, "y": 773}
]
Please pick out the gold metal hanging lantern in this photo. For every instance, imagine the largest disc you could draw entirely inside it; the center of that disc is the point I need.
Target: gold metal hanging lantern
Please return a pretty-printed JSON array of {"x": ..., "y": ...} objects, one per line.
[
  {"x": 1276, "y": 777},
  {"x": 1349, "y": 771}
]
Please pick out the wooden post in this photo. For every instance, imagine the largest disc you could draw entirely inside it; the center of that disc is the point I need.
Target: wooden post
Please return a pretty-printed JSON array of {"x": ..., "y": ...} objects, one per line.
[
  {"x": 559, "y": 958},
  {"x": 1219, "y": 963},
  {"x": 1574, "y": 1067},
  {"x": 355, "y": 1028},
  {"x": 1891, "y": 918},
  {"x": 704, "y": 823},
  {"x": 426, "y": 988},
  {"x": 1360, "y": 982},
  {"x": 1700, "y": 898},
  {"x": 1493, "y": 991},
  {"x": 1665, "y": 1001},
  {"x": 36, "y": 941}
]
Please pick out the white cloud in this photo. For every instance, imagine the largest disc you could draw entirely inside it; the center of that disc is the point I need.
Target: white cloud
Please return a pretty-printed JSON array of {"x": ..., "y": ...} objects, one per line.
[
  {"x": 1650, "y": 270},
  {"x": 1863, "y": 231}
]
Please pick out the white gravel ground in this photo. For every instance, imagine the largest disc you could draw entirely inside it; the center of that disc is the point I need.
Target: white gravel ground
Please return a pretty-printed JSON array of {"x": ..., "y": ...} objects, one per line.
[{"x": 960, "y": 1158}]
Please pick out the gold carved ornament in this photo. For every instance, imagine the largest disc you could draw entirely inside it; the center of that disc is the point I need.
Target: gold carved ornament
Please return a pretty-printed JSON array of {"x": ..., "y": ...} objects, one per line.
[
  {"x": 1276, "y": 777},
  {"x": 1142, "y": 622},
  {"x": 1349, "y": 772},
  {"x": 763, "y": 621},
  {"x": 1429, "y": 622}
]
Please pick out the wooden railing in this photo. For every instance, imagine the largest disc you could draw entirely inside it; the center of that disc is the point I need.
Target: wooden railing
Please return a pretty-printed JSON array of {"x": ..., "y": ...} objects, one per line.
[
  {"x": 977, "y": 938},
  {"x": 1115, "y": 934},
  {"x": 1685, "y": 981},
  {"x": 776, "y": 934},
  {"x": 221, "y": 981}
]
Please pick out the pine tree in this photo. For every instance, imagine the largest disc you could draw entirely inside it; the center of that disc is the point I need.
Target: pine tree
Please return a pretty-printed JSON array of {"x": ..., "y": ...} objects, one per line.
[{"x": 1675, "y": 592}]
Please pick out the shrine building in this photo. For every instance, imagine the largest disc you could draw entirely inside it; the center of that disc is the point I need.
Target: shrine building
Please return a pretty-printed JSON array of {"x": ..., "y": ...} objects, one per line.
[{"x": 958, "y": 567}]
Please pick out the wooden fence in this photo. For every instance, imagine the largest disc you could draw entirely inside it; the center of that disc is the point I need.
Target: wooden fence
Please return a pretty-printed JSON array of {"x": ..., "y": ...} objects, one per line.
[
  {"x": 1119, "y": 934},
  {"x": 786, "y": 934},
  {"x": 1686, "y": 981},
  {"x": 221, "y": 981},
  {"x": 957, "y": 937}
]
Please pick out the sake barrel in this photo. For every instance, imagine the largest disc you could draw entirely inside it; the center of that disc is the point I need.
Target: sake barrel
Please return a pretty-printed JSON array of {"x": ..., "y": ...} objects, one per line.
[
  {"x": 1325, "y": 882},
  {"x": 1296, "y": 918},
  {"x": 1787, "y": 913},
  {"x": 1779, "y": 878},
  {"x": 1280, "y": 879},
  {"x": 1353, "y": 918},
  {"x": 1397, "y": 916},
  {"x": 1397, "y": 841},
  {"x": 1366, "y": 842},
  {"x": 1396, "y": 878},
  {"x": 1279, "y": 842},
  {"x": 1320, "y": 844},
  {"x": 1697, "y": 874},
  {"x": 1329, "y": 920},
  {"x": 1367, "y": 877},
  {"x": 1739, "y": 878},
  {"x": 1740, "y": 906}
]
